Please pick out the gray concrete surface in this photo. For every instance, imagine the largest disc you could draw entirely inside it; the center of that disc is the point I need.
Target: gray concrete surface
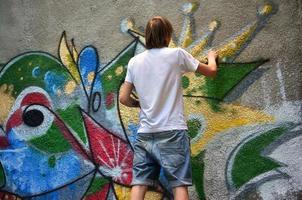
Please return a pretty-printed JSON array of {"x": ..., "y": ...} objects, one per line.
[
  {"x": 28, "y": 25},
  {"x": 36, "y": 25}
]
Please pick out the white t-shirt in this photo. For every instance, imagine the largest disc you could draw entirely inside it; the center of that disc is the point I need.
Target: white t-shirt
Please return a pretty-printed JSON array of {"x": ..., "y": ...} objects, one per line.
[{"x": 157, "y": 77}]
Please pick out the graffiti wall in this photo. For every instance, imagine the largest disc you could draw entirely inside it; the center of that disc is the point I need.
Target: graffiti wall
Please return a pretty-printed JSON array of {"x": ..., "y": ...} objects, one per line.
[{"x": 64, "y": 134}]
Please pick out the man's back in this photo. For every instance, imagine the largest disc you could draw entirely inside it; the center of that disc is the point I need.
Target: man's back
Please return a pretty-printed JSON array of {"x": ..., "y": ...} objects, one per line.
[
  {"x": 163, "y": 140},
  {"x": 156, "y": 75}
]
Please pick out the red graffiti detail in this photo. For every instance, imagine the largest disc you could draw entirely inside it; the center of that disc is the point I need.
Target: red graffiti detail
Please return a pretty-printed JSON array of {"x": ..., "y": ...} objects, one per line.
[
  {"x": 71, "y": 139},
  {"x": 100, "y": 195},
  {"x": 113, "y": 154},
  {"x": 14, "y": 120},
  {"x": 7, "y": 196},
  {"x": 35, "y": 98},
  {"x": 3, "y": 142},
  {"x": 109, "y": 99},
  {"x": 32, "y": 98}
]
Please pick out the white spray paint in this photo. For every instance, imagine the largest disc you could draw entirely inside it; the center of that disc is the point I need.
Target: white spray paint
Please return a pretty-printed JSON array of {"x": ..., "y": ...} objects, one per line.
[
  {"x": 281, "y": 81},
  {"x": 286, "y": 111},
  {"x": 267, "y": 98}
]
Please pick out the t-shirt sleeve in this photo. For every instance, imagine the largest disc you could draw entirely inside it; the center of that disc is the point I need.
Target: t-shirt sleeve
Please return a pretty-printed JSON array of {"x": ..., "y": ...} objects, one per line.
[
  {"x": 187, "y": 62},
  {"x": 129, "y": 74}
]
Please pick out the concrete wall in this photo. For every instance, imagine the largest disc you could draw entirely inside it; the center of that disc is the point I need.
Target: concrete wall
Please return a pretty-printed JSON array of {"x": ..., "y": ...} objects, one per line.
[{"x": 64, "y": 135}]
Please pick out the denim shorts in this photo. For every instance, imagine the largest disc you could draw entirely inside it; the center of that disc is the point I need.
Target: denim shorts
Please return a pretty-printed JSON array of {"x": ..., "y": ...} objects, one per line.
[{"x": 169, "y": 150}]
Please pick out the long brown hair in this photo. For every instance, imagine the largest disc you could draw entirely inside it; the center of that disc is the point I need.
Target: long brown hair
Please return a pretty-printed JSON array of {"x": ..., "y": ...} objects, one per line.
[{"x": 158, "y": 32}]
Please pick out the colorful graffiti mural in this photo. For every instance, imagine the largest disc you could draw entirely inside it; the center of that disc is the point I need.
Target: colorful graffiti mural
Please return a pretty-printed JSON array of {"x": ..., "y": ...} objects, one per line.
[{"x": 64, "y": 134}]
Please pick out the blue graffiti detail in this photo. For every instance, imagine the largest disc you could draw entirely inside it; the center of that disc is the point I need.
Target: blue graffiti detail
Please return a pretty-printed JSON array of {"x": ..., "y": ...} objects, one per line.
[
  {"x": 28, "y": 171},
  {"x": 54, "y": 82},
  {"x": 133, "y": 129},
  {"x": 88, "y": 64},
  {"x": 36, "y": 72}
]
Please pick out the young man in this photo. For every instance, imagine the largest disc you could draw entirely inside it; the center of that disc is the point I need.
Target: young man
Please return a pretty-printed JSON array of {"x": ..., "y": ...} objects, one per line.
[{"x": 162, "y": 141}]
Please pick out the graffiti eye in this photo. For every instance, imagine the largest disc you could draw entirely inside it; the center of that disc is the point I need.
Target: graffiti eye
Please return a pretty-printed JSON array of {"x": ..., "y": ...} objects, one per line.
[
  {"x": 33, "y": 118},
  {"x": 36, "y": 120}
]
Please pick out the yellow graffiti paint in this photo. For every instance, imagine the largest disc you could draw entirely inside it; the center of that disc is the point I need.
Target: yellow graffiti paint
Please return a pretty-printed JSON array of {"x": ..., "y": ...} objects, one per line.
[
  {"x": 129, "y": 23},
  {"x": 7, "y": 101},
  {"x": 119, "y": 70},
  {"x": 70, "y": 87},
  {"x": 267, "y": 9},
  {"x": 129, "y": 114},
  {"x": 213, "y": 25},
  {"x": 202, "y": 43},
  {"x": 123, "y": 193},
  {"x": 90, "y": 77},
  {"x": 195, "y": 82},
  {"x": 172, "y": 44},
  {"x": 109, "y": 77},
  {"x": 67, "y": 59},
  {"x": 188, "y": 37},
  {"x": 232, "y": 47},
  {"x": 199, "y": 47},
  {"x": 75, "y": 53},
  {"x": 231, "y": 116}
]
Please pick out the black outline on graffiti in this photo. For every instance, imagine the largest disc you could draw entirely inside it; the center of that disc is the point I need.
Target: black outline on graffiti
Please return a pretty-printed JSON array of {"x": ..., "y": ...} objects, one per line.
[
  {"x": 261, "y": 62},
  {"x": 70, "y": 132},
  {"x": 121, "y": 52},
  {"x": 92, "y": 95},
  {"x": 134, "y": 42},
  {"x": 96, "y": 94},
  {"x": 90, "y": 157},
  {"x": 90, "y": 148},
  {"x": 89, "y": 185},
  {"x": 96, "y": 169},
  {"x": 4, "y": 182},
  {"x": 89, "y": 97},
  {"x": 61, "y": 187},
  {"x": 113, "y": 191},
  {"x": 114, "y": 135},
  {"x": 37, "y": 53},
  {"x": 118, "y": 105},
  {"x": 76, "y": 63}
]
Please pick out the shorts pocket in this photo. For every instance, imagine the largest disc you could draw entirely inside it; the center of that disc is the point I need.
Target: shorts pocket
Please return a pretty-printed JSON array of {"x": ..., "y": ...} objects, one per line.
[
  {"x": 172, "y": 160},
  {"x": 172, "y": 155}
]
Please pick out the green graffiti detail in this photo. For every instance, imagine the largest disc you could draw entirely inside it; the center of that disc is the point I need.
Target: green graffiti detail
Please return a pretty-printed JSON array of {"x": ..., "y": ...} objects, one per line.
[
  {"x": 228, "y": 76},
  {"x": 52, "y": 142},
  {"x": 73, "y": 118},
  {"x": 215, "y": 105},
  {"x": 198, "y": 171},
  {"x": 19, "y": 71},
  {"x": 197, "y": 102},
  {"x": 198, "y": 74},
  {"x": 2, "y": 176},
  {"x": 96, "y": 185},
  {"x": 110, "y": 80},
  {"x": 185, "y": 82},
  {"x": 52, "y": 161},
  {"x": 249, "y": 163},
  {"x": 194, "y": 126}
]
